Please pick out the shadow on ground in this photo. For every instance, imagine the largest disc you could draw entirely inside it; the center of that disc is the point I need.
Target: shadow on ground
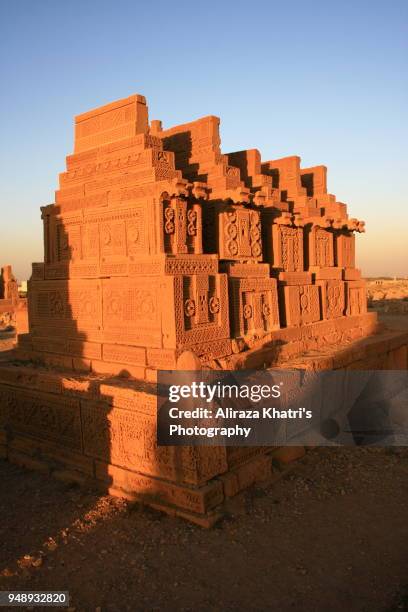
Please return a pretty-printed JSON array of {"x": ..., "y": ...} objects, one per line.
[{"x": 330, "y": 534}]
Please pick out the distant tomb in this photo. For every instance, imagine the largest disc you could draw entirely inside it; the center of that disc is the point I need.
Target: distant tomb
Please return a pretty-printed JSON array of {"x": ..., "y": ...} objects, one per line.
[{"x": 13, "y": 309}]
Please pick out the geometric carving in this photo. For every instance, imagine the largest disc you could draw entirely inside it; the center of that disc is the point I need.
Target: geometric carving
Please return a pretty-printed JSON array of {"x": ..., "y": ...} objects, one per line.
[
  {"x": 132, "y": 311},
  {"x": 112, "y": 239},
  {"x": 333, "y": 299},
  {"x": 207, "y": 264},
  {"x": 42, "y": 415},
  {"x": 356, "y": 298},
  {"x": 242, "y": 270},
  {"x": 345, "y": 250},
  {"x": 321, "y": 251},
  {"x": 68, "y": 242},
  {"x": 200, "y": 310},
  {"x": 37, "y": 271},
  {"x": 182, "y": 226},
  {"x": 90, "y": 241},
  {"x": 126, "y": 438},
  {"x": 287, "y": 248},
  {"x": 74, "y": 303},
  {"x": 115, "y": 121},
  {"x": 254, "y": 306},
  {"x": 301, "y": 304},
  {"x": 133, "y": 235},
  {"x": 239, "y": 234},
  {"x": 124, "y": 354}
]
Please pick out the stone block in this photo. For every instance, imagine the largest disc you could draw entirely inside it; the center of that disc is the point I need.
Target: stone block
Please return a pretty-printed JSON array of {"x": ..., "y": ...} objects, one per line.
[
  {"x": 230, "y": 484},
  {"x": 301, "y": 305},
  {"x": 238, "y": 232},
  {"x": 198, "y": 500},
  {"x": 345, "y": 249},
  {"x": 398, "y": 358},
  {"x": 27, "y": 462},
  {"x": 295, "y": 278},
  {"x": 112, "y": 122},
  {"x": 332, "y": 298},
  {"x": 351, "y": 274},
  {"x": 314, "y": 180},
  {"x": 254, "y": 303},
  {"x": 285, "y": 247},
  {"x": 287, "y": 454},
  {"x": 327, "y": 273},
  {"x": 320, "y": 247},
  {"x": 254, "y": 471},
  {"x": 356, "y": 298}
]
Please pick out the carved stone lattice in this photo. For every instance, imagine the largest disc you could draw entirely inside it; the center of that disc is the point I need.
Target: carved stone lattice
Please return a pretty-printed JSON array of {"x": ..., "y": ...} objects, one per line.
[
  {"x": 321, "y": 248},
  {"x": 287, "y": 248},
  {"x": 255, "y": 306},
  {"x": 240, "y": 234}
]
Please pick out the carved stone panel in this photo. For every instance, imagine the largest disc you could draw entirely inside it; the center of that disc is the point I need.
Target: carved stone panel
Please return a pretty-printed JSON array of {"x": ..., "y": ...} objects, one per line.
[
  {"x": 254, "y": 306},
  {"x": 287, "y": 245},
  {"x": 345, "y": 250},
  {"x": 135, "y": 235},
  {"x": 200, "y": 312},
  {"x": 132, "y": 311},
  {"x": 90, "y": 241},
  {"x": 72, "y": 304},
  {"x": 41, "y": 415},
  {"x": 321, "y": 252},
  {"x": 112, "y": 239},
  {"x": 356, "y": 298},
  {"x": 239, "y": 234},
  {"x": 182, "y": 226},
  {"x": 332, "y": 295},
  {"x": 68, "y": 242},
  {"x": 301, "y": 304},
  {"x": 128, "y": 438}
]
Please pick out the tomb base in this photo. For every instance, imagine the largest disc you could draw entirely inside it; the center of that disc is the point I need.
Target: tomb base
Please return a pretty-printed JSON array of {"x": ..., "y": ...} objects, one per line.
[{"x": 102, "y": 429}]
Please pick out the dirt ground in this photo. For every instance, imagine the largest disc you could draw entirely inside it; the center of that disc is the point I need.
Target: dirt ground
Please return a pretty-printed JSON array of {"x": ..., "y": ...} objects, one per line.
[{"x": 329, "y": 534}]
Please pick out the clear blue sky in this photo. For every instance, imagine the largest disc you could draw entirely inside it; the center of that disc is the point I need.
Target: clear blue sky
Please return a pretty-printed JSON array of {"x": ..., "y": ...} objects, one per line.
[{"x": 323, "y": 80}]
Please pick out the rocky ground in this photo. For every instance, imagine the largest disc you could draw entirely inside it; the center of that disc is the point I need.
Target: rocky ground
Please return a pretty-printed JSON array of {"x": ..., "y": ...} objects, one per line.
[{"x": 330, "y": 534}]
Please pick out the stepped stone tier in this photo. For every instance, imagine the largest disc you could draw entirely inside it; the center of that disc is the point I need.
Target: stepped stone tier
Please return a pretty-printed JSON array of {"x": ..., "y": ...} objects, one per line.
[
  {"x": 162, "y": 252},
  {"x": 158, "y": 243}
]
